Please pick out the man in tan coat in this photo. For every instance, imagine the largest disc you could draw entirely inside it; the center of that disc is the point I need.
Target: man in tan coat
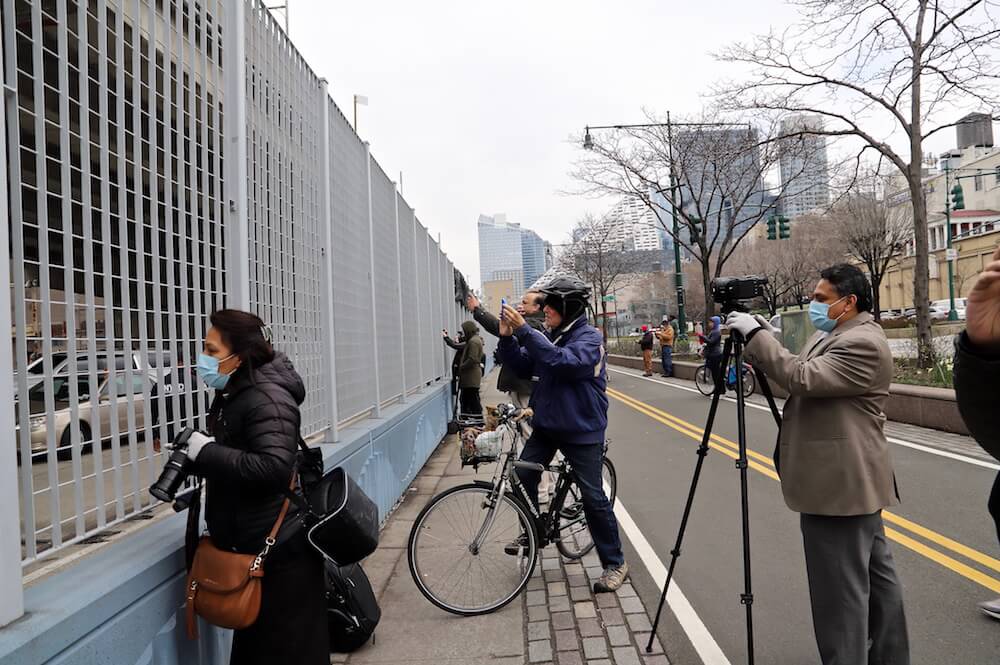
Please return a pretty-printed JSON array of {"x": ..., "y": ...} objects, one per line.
[{"x": 833, "y": 460}]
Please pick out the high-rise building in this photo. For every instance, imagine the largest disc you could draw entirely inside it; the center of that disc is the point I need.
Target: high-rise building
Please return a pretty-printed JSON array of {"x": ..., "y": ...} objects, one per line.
[
  {"x": 507, "y": 248},
  {"x": 720, "y": 177},
  {"x": 805, "y": 177}
]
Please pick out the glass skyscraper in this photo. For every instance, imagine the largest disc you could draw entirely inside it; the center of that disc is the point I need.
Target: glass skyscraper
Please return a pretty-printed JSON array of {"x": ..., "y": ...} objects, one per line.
[{"x": 506, "y": 247}]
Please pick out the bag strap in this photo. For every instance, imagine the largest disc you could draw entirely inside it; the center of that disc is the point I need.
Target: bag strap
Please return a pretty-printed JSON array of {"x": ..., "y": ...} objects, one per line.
[{"x": 270, "y": 540}]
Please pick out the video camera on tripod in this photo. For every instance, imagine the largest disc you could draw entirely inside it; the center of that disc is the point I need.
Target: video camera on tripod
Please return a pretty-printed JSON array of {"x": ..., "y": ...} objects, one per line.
[{"x": 731, "y": 294}]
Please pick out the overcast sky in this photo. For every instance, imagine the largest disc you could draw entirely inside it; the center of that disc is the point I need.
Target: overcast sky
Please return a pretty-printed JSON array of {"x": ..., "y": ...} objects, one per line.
[{"x": 474, "y": 101}]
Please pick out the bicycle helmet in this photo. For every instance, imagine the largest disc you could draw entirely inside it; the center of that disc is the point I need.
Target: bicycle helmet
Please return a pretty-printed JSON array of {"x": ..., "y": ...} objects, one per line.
[{"x": 568, "y": 296}]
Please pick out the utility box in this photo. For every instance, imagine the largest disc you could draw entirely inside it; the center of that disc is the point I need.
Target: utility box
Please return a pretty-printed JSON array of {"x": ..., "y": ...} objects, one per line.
[{"x": 796, "y": 329}]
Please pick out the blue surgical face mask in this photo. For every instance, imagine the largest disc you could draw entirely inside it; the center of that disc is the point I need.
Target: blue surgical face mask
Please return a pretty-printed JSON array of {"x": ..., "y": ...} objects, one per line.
[
  {"x": 208, "y": 371},
  {"x": 819, "y": 314}
]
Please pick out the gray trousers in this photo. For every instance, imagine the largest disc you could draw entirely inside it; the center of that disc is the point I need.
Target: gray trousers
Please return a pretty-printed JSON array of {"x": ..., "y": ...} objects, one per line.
[{"x": 855, "y": 595}]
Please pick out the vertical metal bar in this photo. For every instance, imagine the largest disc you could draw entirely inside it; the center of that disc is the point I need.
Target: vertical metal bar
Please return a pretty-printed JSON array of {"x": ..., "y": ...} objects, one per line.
[
  {"x": 69, "y": 311},
  {"x": 109, "y": 263},
  {"x": 44, "y": 281},
  {"x": 16, "y": 231},
  {"x": 128, "y": 350},
  {"x": 420, "y": 331},
  {"x": 377, "y": 411},
  {"x": 235, "y": 134},
  {"x": 326, "y": 219},
  {"x": 399, "y": 293},
  {"x": 11, "y": 589}
]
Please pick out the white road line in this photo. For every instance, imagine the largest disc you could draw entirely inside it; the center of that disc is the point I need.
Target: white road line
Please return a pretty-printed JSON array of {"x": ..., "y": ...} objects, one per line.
[
  {"x": 899, "y": 442},
  {"x": 702, "y": 641}
]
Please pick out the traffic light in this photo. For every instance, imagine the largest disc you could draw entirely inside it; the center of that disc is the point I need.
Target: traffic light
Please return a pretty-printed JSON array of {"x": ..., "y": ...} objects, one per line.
[
  {"x": 957, "y": 197},
  {"x": 784, "y": 228},
  {"x": 772, "y": 226}
]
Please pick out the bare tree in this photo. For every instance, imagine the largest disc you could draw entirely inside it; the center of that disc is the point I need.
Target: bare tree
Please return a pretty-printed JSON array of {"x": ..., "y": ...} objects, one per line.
[
  {"x": 792, "y": 266},
  {"x": 873, "y": 231},
  {"x": 716, "y": 174},
  {"x": 865, "y": 65},
  {"x": 599, "y": 257}
]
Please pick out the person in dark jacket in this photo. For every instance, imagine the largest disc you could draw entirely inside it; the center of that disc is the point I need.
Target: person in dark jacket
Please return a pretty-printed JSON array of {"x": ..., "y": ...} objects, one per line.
[
  {"x": 519, "y": 389},
  {"x": 713, "y": 348},
  {"x": 459, "y": 346},
  {"x": 470, "y": 371},
  {"x": 646, "y": 345},
  {"x": 570, "y": 408},
  {"x": 248, "y": 460},
  {"x": 977, "y": 379}
]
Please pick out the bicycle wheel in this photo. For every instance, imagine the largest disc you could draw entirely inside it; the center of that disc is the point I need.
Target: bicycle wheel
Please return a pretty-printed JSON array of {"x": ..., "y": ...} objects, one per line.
[
  {"x": 703, "y": 379},
  {"x": 575, "y": 540},
  {"x": 444, "y": 565},
  {"x": 749, "y": 382}
]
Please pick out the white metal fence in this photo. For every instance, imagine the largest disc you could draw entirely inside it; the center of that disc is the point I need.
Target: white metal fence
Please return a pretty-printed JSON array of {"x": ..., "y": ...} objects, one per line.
[{"x": 166, "y": 159}]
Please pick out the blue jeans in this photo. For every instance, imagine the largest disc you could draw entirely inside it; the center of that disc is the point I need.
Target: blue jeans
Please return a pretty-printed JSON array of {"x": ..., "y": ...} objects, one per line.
[
  {"x": 667, "y": 359},
  {"x": 586, "y": 459}
]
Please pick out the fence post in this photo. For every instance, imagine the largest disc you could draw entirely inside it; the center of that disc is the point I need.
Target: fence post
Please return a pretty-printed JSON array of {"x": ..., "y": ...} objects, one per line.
[
  {"x": 331, "y": 346},
  {"x": 234, "y": 132},
  {"x": 421, "y": 379},
  {"x": 399, "y": 285},
  {"x": 11, "y": 589},
  {"x": 377, "y": 413}
]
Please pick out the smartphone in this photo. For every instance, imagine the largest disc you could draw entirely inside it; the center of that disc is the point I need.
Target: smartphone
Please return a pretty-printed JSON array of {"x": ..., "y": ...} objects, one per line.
[{"x": 503, "y": 303}]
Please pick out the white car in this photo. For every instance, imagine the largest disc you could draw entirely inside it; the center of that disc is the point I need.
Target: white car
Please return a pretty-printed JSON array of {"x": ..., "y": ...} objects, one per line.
[{"x": 944, "y": 306}]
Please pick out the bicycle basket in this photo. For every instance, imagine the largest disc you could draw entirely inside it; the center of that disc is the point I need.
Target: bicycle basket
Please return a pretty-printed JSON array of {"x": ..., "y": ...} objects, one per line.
[{"x": 479, "y": 447}]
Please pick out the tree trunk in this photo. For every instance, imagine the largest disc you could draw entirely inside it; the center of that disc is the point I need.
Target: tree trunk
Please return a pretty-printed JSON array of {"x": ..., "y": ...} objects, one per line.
[
  {"x": 706, "y": 280},
  {"x": 921, "y": 287},
  {"x": 876, "y": 299},
  {"x": 604, "y": 318}
]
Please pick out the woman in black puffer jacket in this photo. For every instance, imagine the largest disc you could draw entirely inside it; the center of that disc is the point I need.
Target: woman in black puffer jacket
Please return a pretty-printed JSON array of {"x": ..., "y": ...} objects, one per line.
[{"x": 248, "y": 460}]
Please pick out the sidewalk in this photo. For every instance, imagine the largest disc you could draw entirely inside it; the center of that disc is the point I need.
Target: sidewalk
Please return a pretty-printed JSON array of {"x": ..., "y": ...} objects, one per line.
[{"x": 558, "y": 619}]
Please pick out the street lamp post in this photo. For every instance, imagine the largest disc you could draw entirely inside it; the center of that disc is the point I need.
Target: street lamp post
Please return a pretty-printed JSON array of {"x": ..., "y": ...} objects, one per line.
[{"x": 588, "y": 144}]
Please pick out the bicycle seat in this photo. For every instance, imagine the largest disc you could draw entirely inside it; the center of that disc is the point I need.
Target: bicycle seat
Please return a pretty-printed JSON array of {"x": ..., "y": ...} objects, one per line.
[{"x": 528, "y": 466}]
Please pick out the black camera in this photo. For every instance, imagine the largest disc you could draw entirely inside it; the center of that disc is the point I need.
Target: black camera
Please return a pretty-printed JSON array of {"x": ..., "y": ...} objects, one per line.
[
  {"x": 731, "y": 291},
  {"x": 176, "y": 470}
]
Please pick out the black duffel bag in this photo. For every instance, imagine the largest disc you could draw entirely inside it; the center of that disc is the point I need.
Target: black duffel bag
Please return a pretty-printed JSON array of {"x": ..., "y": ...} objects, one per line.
[{"x": 341, "y": 522}]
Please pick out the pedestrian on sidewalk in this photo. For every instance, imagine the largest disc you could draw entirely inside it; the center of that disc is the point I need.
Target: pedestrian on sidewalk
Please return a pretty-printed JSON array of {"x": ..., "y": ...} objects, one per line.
[
  {"x": 459, "y": 346},
  {"x": 571, "y": 408},
  {"x": 977, "y": 377},
  {"x": 646, "y": 344},
  {"x": 833, "y": 462},
  {"x": 518, "y": 389},
  {"x": 470, "y": 372},
  {"x": 247, "y": 460},
  {"x": 666, "y": 337}
]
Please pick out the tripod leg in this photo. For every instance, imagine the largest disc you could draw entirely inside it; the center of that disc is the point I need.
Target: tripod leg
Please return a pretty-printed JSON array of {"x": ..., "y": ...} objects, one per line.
[
  {"x": 747, "y": 597},
  {"x": 701, "y": 452}
]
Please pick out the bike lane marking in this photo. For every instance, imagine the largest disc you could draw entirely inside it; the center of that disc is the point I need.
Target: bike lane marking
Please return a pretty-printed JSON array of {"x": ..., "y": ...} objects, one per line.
[{"x": 701, "y": 639}]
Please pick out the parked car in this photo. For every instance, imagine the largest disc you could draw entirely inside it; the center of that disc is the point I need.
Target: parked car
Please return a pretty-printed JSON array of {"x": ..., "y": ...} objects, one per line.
[
  {"x": 60, "y": 364},
  {"x": 945, "y": 306},
  {"x": 111, "y": 389}
]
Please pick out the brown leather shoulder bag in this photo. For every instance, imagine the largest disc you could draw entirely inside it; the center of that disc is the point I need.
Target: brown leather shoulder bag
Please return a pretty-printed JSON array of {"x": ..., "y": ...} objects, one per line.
[{"x": 224, "y": 588}]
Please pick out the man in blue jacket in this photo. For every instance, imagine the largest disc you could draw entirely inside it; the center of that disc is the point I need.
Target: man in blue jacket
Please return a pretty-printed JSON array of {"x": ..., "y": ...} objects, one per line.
[{"x": 570, "y": 405}]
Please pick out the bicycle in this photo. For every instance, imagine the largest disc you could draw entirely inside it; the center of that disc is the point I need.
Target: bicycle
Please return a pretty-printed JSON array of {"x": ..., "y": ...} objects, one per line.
[
  {"x": 706, "y": 382},
  {"x": 458, "y": 549}
]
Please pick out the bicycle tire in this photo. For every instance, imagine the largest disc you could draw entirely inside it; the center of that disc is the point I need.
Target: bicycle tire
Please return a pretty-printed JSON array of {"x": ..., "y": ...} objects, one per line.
[
  {"x": 452, "y": 563},
  {"x": 565, "y": 546},
  {"x": 749, "y": 382},
  {"x": 704, "y": 381}
]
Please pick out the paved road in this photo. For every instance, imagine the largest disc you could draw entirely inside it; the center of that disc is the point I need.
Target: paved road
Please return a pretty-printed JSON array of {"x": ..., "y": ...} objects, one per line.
[{"x": 942, "y": 538}]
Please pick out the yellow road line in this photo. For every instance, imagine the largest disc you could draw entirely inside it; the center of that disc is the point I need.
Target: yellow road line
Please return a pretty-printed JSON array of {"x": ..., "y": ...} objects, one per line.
[
  {"x": 889, "y": 516},
  {"x": 730, "y": 449}
]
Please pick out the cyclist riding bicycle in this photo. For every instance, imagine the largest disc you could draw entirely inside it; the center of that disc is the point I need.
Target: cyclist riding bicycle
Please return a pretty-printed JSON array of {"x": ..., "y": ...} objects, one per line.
[{"x": 570, "y": 405}]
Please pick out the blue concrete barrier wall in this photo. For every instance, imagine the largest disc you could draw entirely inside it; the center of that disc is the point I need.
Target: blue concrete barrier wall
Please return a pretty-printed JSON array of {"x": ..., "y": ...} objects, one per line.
[{"x": 123, "y": 604}]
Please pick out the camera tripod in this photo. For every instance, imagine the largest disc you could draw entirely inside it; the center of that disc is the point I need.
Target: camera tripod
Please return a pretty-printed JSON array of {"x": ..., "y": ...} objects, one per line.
[{"x": 733, "y": 349}]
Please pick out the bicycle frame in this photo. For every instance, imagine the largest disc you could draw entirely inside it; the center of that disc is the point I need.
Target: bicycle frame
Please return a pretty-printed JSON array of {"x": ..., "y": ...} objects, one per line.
[{"x": 546, "y": 523}]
